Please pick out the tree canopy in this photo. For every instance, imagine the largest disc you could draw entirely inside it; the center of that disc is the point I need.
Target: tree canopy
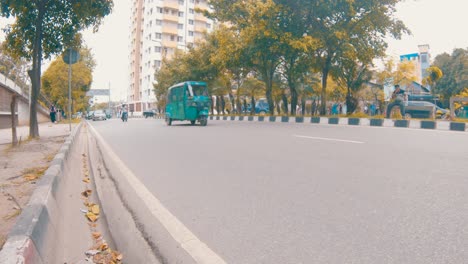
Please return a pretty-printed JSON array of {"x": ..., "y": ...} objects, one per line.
[
  {"x": 455, "y": 73},
  {"x": 55, "y": 81},
  {"x": 43, "y": 28}
]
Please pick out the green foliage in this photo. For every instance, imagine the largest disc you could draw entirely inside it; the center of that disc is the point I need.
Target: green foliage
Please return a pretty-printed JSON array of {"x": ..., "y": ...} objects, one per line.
[
  {"x": 60, "y": 21},
  {"x": 43, "y": 28},
  {"x": 14, "y": 69},
  {"x": 455, "y": 74}
]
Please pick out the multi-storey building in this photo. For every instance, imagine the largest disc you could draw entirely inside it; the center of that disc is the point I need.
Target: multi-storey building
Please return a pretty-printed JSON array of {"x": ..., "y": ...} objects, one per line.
[
  {"x": 421, "y": 60},
  {"x": 159, "y": 28}
]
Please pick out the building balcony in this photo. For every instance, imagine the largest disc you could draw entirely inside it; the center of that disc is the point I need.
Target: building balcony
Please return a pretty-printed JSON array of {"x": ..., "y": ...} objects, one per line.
[
  {"x": 169, "y": 44},
  {"x": 171, "y": 4},
  {"x": 170, "y": 30},
  {"x": 169, "y": 17},
  {"x": 200, "y": 28},
  {"x": 200, "y": 17},
  {"x": 202, "y": 5}
]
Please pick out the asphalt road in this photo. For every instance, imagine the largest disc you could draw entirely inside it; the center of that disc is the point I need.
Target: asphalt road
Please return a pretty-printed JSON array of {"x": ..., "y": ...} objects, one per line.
[{"x": 303, "y": 193}]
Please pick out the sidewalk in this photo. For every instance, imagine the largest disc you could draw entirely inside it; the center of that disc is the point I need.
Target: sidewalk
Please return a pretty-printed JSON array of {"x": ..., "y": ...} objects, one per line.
[
  {"x": 23, "y": 166},
  {"x": 46, "y": 130}
]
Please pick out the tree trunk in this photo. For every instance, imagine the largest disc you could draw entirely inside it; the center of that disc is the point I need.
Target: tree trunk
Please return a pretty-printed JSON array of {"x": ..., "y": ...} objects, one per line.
[
  {"x": 14, "y": 137},
  {"x": 292, "y": 88},
  {"x": 218, "y": 102},
  {"x": 35, "y": 73},
  {"x": 231, "y": 99},
  {"x": 284, "y": 98},
  {"x": 325, "y": 71},
  {"x": 303, "y": 105},
  {"x": 252, "y": 105}
]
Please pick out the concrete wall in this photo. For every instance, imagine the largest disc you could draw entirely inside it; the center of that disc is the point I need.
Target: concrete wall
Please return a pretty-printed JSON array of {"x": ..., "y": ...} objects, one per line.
[{"x": 22, "y": 109}]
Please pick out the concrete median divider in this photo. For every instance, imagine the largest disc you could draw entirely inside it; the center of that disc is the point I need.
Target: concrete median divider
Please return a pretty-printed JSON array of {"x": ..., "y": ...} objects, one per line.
[
  {"x": 36, "y": 236},
  {"x": 333, "y": 120},
  {"x": 457, "y": 126},
  {"x": 366, "y": 122},
  {"x": 142, "y": 228}
]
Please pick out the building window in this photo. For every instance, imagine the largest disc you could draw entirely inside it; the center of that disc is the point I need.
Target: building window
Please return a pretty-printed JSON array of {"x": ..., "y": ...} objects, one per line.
[
  {"x": 172, "y": 38},
  {"x": 158, "y": 22},
  {"x": 181, "y": 14},
  {"x": 180, "y": 26},
  {"x": 190, "y": 21},
  {"x": 157, "y": 49},
  {"x": 423, "y": 58},
  {"x": 191, "y": 11},
  {"x": 158, "y": 36},
  {"x": 208, "y": 25},
  {"x": 181, "y": 2},
  {"x": 180, "y": 39},
  {"x": 190, "y": 33},
  {"x": 157, "y": 63},
  {"x": 160, "y": 10}
]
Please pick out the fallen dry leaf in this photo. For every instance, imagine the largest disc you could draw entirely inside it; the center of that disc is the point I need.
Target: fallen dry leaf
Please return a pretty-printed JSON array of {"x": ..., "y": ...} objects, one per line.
[
  {"x": 31, "y": 177},
  {"x": 95, "y": 209},
  {"x": 92, "y": 217},
  {"x": 87, "y": 180},
  {"x": 84, "y": 155},
  {"x": 103, "y": 247},
  {"x": 96, "y": 235},
  {"x": 86, "y": 173},
  {"x": 86, "y": 193}
]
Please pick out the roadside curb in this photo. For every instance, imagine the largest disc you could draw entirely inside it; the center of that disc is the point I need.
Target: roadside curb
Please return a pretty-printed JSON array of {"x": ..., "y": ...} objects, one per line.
[
  {"x": 345, "y": 121},
  {"x": 32, "y": 238}
]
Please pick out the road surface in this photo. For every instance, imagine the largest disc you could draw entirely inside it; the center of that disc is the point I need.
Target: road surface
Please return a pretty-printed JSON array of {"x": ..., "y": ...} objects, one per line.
[{"x": 302, "y": 193}]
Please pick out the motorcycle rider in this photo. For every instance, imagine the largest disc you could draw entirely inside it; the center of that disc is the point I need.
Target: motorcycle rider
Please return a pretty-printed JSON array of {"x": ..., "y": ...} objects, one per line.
[{"x": 124, "y": 113}]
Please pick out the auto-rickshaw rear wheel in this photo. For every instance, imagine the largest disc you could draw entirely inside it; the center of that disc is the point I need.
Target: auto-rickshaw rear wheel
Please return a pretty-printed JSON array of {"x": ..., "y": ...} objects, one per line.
[
  {"x": 203, "y": 121},
  {"x": 192, "y": 122},
  {"x": 168, "y": 121}
]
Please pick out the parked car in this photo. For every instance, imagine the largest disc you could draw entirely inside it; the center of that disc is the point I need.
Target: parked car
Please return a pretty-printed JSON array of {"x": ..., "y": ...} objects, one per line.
[
  {"x": 261, "y": 107},
  {"x": 150, "y": 113},
  {"x": 420, "y": 109},
  {"x": 99, "y": 115}
]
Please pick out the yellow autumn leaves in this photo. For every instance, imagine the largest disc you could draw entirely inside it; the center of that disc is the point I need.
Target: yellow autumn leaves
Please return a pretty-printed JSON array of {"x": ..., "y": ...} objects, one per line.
[{"x": 100, "y": 252}]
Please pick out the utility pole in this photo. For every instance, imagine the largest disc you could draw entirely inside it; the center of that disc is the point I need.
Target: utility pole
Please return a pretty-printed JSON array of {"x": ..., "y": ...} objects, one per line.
[{"x": 109, "y": 105}]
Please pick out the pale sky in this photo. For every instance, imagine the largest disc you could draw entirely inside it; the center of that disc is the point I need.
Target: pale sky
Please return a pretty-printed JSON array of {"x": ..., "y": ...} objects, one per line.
[{"x": 439, "y": 23}]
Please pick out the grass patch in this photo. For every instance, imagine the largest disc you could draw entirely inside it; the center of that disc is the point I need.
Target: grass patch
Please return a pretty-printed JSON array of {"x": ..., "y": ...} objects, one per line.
[
  {"x": 50, "y": 157},
  {"x": 461, "y": 120},
  {"x": 32, "y": 174},
  {"x": 11, "y": 216}
]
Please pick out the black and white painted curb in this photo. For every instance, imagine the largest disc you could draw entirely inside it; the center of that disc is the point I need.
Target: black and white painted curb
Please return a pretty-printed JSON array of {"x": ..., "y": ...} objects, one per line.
[
  {"x": 374, "y": 122},
  {"x": 32, "y": 239}
]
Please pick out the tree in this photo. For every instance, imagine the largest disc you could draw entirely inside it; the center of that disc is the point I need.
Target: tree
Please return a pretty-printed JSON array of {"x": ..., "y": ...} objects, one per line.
[
  {"x": 352, "y": 75},
  {"x": 258, "y": 25},
  {"x": 14, "y": 69},
  {"x": 296, "y": 46},
  {"x": 434, "y": 74},
  {"x": 347, "y": 29},
  {"x": 455, "y": 74},
  {"x": 43, "y": 28},
  {"x": 55, "y": 81}
]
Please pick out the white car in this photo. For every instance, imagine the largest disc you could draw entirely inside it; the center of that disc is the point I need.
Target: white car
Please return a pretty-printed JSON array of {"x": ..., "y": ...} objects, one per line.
[{"x": 99, "y": 115}]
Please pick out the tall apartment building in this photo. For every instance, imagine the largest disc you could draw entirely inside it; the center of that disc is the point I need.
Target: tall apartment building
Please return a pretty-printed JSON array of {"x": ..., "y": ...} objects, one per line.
[{"x": 159, "y": 28}]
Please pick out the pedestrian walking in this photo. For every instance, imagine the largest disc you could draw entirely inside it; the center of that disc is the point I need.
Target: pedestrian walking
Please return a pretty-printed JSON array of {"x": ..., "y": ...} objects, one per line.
[{"x": 53, "y": 114}]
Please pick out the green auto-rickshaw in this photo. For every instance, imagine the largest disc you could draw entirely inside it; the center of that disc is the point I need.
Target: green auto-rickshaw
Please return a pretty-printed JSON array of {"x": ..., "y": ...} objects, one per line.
[{"x": 188, "y": 101}]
